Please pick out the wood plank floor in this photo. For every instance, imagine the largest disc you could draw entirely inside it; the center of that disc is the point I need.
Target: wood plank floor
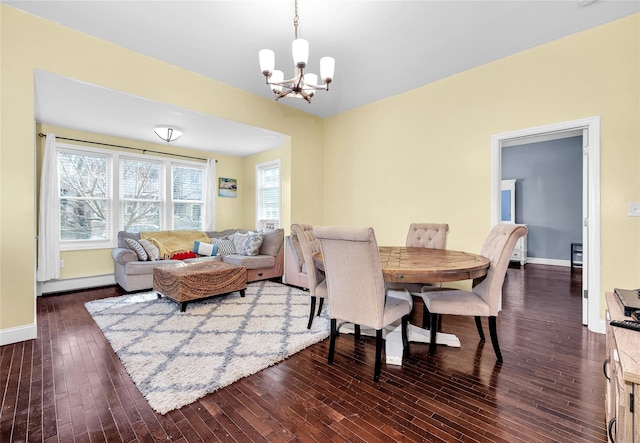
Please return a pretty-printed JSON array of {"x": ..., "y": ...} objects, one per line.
[{"x": 69, "y": 386}]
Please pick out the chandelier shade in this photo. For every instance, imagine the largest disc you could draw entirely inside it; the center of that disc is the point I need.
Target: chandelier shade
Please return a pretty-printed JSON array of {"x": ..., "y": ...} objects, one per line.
[
  {"x": 301, "y": 85},
  {"x": 168, "y": 134}
]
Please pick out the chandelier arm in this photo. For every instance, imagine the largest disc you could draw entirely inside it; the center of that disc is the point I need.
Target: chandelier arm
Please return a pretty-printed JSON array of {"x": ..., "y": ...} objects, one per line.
[{"x": 291, "y": 81}]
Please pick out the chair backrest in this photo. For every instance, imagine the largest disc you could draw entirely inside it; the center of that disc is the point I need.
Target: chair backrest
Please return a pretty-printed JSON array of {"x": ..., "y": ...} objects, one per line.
[
  {"x": 354, "y": 274},
  {"x": 498, "y": 248},
  {"x": 309, "y": 245},
  {"x": 428, "y": 235}
]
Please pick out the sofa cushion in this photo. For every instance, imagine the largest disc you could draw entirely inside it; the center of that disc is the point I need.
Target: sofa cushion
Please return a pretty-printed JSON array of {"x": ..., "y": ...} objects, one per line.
[
  {"x": 203, "y": 259},
  {"x": 146, "y": 267},
  {"x": 225, "y": 246},
  {"x": 250, "y": 261},
  {"x": 152, "y": 250},
  {"x": 272, "y": 242},
  {"x": 136, "y": 246}
]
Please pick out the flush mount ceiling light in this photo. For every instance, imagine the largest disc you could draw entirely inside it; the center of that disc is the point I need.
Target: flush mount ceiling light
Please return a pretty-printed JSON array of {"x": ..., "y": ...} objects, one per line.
[
  {"x": 301, "y": 85},
  {"x": 168, "y": 134}
]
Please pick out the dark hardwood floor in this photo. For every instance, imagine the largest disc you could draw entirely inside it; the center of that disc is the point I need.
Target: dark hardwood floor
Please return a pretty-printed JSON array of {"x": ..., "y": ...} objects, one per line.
[{"x": 69, "y": 386}]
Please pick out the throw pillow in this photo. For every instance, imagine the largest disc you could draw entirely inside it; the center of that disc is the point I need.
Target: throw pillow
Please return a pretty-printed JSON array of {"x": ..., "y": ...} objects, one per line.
[
  {"x": 152, "y": 250},
  {"x": 251, "y": 245},
  {"x": 225, "y": 246},
  {"x": 183, "y": 255},
  {"x": 202, "y": 248},
  {"x": 238, "y": 240},
  {"x": 247, "y": 244},
  {"x": 136, "y": 246}
]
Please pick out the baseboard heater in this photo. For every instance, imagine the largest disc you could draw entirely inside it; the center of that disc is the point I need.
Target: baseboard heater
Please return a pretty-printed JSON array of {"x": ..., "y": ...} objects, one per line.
[{"x": 74, "y": 284}]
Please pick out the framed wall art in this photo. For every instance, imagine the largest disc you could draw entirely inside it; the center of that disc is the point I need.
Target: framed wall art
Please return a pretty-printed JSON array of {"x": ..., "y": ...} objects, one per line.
[{"x": 227, "y": 187}]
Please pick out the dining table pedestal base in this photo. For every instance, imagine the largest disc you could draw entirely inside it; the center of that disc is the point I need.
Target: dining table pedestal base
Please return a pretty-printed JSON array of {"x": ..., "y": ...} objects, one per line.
[{"x": 393, "y": 339}]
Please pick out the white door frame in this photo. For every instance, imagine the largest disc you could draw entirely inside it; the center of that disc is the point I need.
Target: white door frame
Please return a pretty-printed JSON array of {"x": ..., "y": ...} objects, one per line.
[{"x": 592, "y": 249}]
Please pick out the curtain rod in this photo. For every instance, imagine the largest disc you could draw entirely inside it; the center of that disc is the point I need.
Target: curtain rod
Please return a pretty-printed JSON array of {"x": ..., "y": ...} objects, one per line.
[{"x": 126, "y": 147}]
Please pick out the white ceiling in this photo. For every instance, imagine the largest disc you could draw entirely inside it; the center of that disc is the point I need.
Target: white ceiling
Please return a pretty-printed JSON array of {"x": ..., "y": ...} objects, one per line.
[{"x": 382, "y": 48}]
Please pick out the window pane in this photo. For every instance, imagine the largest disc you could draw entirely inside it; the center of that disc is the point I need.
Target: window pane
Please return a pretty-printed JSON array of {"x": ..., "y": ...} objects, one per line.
[
  {"x": 187, "y": 183},
  {"x": 187, "y": 216},
  {"x": 139, "y": 180},
  {"x": 83, "y": 219},
  {"x": 140, "y": 215},
  {"x": 83, "y": 175}
]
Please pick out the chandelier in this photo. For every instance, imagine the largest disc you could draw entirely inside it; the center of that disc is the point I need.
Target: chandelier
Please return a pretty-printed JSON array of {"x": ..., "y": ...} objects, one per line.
[{"x": 301, "y": 85}]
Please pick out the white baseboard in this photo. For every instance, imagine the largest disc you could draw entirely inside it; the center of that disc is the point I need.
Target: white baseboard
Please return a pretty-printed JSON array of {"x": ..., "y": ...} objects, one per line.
[
  {"x": 73, "y": 284},
  {"x": 18, "y": 334},
  {"x": 548, "y": 261}
]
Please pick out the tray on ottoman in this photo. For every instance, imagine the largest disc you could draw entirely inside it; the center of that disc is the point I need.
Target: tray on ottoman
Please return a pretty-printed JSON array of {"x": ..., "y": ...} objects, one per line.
[{"x": 186, "y": 282}]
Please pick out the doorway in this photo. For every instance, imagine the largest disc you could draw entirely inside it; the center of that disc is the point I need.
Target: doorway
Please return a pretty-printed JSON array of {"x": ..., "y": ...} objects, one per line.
[{"x": 589, "y": 128}]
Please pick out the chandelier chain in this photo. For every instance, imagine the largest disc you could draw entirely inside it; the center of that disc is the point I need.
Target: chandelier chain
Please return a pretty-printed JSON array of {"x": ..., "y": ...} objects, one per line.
[{"x": 296, "y": 20}]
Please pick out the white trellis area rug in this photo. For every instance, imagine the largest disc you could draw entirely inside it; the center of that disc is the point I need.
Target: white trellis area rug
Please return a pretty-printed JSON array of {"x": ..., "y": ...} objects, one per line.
[{"x": 175, "y": 358}]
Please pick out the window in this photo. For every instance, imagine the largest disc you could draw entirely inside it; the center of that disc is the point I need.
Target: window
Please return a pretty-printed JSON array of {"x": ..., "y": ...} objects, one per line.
[
  {"x": 102, "y": 192},
  {"x": 85, "y": 196},
  {"x": 268, "y": 195},
  {"x": 187, "y": 197}
]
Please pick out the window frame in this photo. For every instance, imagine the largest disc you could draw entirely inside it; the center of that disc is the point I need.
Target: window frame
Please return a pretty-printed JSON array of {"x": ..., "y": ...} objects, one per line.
[
  {"x": 260, "y": 167},
  {"x": 114, "y": 159}
]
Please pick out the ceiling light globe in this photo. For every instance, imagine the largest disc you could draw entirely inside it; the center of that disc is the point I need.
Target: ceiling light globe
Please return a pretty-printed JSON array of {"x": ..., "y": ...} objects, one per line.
[
  {"x": 277, "y": 77},
  {"x": 300, "y": 50},
  {"x": 168, "y": 134},
  {"x": 310, "y": 80},
  {"x": 327, "y": 68},
  {"x": 267, "y": 60}
]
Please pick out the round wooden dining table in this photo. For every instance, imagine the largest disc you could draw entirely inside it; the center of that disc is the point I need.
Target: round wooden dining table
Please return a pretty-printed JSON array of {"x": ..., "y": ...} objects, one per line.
[
  {"x": 402, "y": 264},
  {"x": 426, "y": 265}
]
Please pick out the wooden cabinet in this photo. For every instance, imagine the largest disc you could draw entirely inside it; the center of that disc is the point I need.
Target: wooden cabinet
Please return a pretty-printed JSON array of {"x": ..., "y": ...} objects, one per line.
[
  {"x": 520, "y": 250},
  {"x": 622, "y": 369}
]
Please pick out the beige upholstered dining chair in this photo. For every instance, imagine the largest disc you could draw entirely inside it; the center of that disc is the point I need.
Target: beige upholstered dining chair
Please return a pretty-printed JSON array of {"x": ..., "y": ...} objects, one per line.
[
  {"x": 317, "y": 284},
  {"x": 424, "y": 235},
  {"x": 355, "y": 285},
  {"x": 484, "y": 299}
]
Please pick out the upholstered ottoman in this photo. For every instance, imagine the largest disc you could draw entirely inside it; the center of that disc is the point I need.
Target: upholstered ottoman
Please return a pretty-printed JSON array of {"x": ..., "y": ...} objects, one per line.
[{"x": 187, "y": 282}]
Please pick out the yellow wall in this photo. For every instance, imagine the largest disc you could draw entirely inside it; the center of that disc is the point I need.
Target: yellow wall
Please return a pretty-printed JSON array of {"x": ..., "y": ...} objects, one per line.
[
  {"x": 27, "y": 43},
  {"x": 426, "y": 155}
]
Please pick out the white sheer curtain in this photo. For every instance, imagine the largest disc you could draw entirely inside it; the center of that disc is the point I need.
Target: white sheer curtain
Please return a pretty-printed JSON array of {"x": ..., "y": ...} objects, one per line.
[
  {"x": 209, "y": 222},
  {"x": 49, "y": 215}
]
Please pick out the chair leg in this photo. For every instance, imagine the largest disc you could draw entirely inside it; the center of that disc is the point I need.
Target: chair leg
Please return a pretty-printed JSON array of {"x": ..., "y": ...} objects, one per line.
[
  {"x": 479, "y": 326},
  {"x": 426, "y": 324},
  {"x": 356, "y": 332},
  {"x": 320, "y": 306},
  {"x": 312, "y": 311},
  {"x": 494, "y": 337},
  {"x": 376, "y": 371},
  {"x": 434, "y": 331},
  {"x": 332, "y": 340},
  {"x": 405, "y": 335}
]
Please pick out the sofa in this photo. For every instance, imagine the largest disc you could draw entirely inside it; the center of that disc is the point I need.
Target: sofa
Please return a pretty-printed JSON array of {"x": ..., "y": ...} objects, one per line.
[
  {"x": 295, "y": 272},
  {"x": 134, "y": 272}
]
